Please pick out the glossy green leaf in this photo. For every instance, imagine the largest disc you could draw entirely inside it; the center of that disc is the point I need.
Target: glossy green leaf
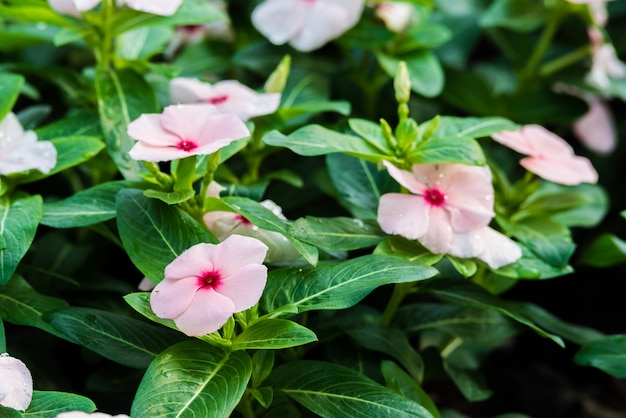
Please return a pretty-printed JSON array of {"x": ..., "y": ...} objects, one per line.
[
  {"x": 607, "y": 354},
  {"x": 49, "y": 403},
  {"x": 338, "y": 233},
  {"x": 425, "y": 71},
  {"x": 402, "y": 383},
  {"x": 273, "y": 334},
  {"x": 472, "y": 127},
  {"x": 154, "y": 233},
  {"x": 32, "y": 11},
  {"x": 10, "y": 85},
  {"x": 117, "y": 337},
  {"x": 19, "y": 217},
  {"x": 460, "y": 150},
  {"x": 330, "y": 390},
  {"x": 471, "y": 383},
  {"x": 122, "y": 97},
  {"x": 193, "y": 379},
  {"x": 171, "y": 198},
  {"x": 518, "y": 15},
  {"x": 605, "y": 251},
  {"x": 411, "y": 250},
  {"x": 143, "y": 43},
  {"x": 21, "y": 304},
  {"x": 547, "y": 239},
  {"x": 337, "y": 285}
]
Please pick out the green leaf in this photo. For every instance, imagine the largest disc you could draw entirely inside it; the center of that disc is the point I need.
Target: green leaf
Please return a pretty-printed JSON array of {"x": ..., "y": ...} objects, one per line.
[
  {"x": 21, "y": 304},
  {"x": 122, "y": 97},
  {"x": 470, "y": 382},
  {"x": 400, "y": 382},
  {"x": 117, "y": 337},
  {"x": 193, "y": 379},
  {"x": 607, "y": 354},
  {"x": 372, "y": 133},
  {"x": 460, "y": 150},
  {"x": 360, "y": 184},
  {"x": 79, "y": 123},
  {"x": 32, "y": 11},
  {"x": 518, "y": 15},
  {"x": 47, "y": 404},
  {"x": 425, "y": 71},
  {"x": 457, "y": 127},
  {"x": 338, "y": 233},
  {"x": 19, "y": 218},
  {"x": 605, "y": 251},
  {"x": 171, "y": 198},
  {"x": 314, "y": 140},
  {"x": 86, "y": 207},
  {"x": 337, "y": 285},
  {"x": 330, "y": 390},
  {"x": 154, "y": 233},
  {"x": 548, "y": 240},
  {"x": 10, "y": 87},
  {"x": 143, "y": 43},
  {"x": 467, "y": 294},
  {"x": 273, "y": 334},
  {"x": 392, "y": 342},
  {"x": 531, "y": 266}
]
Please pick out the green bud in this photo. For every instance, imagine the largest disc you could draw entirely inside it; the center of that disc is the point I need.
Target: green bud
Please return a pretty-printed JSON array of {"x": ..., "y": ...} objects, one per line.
[
  {"x": 277, "y": 80},
  {"x": 388, "y": 134},
  {"x": 427, "y": 129},
  {"x": 406, "y": 134},
  {"x": 402, "y": 83}
]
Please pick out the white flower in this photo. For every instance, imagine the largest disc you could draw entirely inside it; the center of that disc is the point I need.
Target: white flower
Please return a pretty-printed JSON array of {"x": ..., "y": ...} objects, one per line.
[
  {"x": 16, "y": 383},
  {"x": 20, "y": 150},
  {"x": 604, "y": 62}
]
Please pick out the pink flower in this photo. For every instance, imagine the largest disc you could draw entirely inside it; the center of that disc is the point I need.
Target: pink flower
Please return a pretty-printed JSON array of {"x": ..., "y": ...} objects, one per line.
[
  {"x": 305, "y": 24},
  {"x": 227, "y": 96},
  {"x": 597, "y": 8},
  {"x": 596, "y": 128},
  {"x": 445, "y": 200},
  {"x": 224, "y": 224},
  {"x": 549, "y": 156},
  {"x": 16, "y": 383},
  {"x": 20, "y": 150},
  {"x": 156, "y": 7},
  {"x": 79, "y": 414},
  {"x": 488, "y": 245},
  {"x": 183, "y": 130},
  {"x": 395, "y": 15},
  {"x": 207, "y": 283},
  {"x": 605, "y": 64}
]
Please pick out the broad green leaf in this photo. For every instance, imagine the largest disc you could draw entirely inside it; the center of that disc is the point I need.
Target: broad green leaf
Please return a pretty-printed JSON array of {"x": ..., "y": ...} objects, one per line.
[
  {"x": 411, "y": 250},
  {"x": 117, "y": 337},
  {"x": 372, "y": 133},
  {"x": 32, "y": 11},
  {"x": 392, "y": 342},
  {"x": 10, "y": 86},
  {"x": 460, "y": 150},
  {"x": 86, "y": 207},
  {"x": 288, "y": 113},
  {"x": 607, "y": 354},
  {"x": 143, "y": 43},
  {"x": 154, "y": 233},
  {"x": 360, "y": 184},
  {"x": 337, "y": 285},
  {"x": 457, "y": 127},
  {"x": 470, "y": 383},
  {"x": 19, "y": 217},
  {"x": 21, "y": 304},
  {"x": 46, "y": 404},
  {"x": 547, "y": 239},
  {"x": 519, "y": 15},
  {"x": 273, "y": 334},
  {"x": 467, "y": 294},
  {"x": 171, "y": 198},
  {"x": 605, "y": 251},
  {"x": 531, "y": 266},
  {"x": 338, "y": 233},
  {"x": 425, "y": 71},
  {"x": 77, "y": 123},
  {"x": 330, "y": 390},
  {"x": 18, "y": 36},
  {"x": 314, "y": 140},
  {"x": 122, "y": 97},
  {"x": 423, "y": 35},
  {"x": 400, "y": 382},
  {"x": 6, "y": 412},
  {"x": 193, "y": 379}
]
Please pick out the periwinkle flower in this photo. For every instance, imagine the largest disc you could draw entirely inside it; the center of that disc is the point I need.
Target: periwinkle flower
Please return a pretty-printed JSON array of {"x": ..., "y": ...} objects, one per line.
[{"x": 16, "y": 383}]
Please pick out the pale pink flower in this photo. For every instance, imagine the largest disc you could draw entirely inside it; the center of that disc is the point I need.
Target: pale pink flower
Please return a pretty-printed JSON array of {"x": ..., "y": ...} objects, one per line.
[
  {"x": 596, "y": 128},
  {"x": 224, "y": 224},
  {"x": 396, "y": 16},
  {"x": 228, "y": 96},
  {"x": 20, "y": 150},
  {"x": 597, "y": 8},
  {"x": 488, "y": 245},
  {"x": 445, "y": 200},
  {"x": 605, "y": 65},
  {"x": 183, "y": 130},
  {"x": 157, "y": 7},
  {"x": 16, "y": 383},
  {"x": 305, "y": 24},
  {"x": 80, "y": 414},
  {"x": 549, "y": 156},
  {"x": 207, "y": 283}
]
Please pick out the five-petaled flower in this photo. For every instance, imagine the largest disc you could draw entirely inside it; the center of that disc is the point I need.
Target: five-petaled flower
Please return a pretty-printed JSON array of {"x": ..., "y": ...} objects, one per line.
[
  {"x": 156, "y": 7},
  {"x": 305, "y": 24},
  {"x": 207, "y": 283},
  {"x": 549, "y": 156},
  {"x": 228, "y": 96},
  {"x": 183, "y": 130},
  {"x": 16, "y": 383},
  {"x": 605, "y": 65},
  {"x": 20, "y": 150}
]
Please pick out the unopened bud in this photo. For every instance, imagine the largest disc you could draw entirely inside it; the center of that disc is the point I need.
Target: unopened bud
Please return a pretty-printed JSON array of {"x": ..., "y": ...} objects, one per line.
[
  {"x": 402, "y": 83},
  {"x": 278, "y": 79}
]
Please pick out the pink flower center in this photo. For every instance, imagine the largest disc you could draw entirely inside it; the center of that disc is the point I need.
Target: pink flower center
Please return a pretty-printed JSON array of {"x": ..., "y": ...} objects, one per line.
[
  {"x": 186, "y": 145},
  {"x": 218, "y": 99},
  {"x": 434, "y": 197},
  {"x": 209, "y": 280},
  {"x": 243, "y": 220}
]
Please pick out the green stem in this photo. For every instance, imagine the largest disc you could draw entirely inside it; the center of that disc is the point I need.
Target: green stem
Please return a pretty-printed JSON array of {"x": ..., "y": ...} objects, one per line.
[
  {"x": 564, "y": 61},
  {"x": 105, "y": 50},
  {"x": 245, "y": 406},
  {"x": 530, "y": 71},
  {"x": 400, "y": 290}
]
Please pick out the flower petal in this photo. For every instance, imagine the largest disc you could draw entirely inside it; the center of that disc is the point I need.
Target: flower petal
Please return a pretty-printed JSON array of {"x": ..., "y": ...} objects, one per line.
[
  {"x": 439, "y": 235},
  {"x": 279, "y": 20},
  {"x": 147, "y": 129},
  {"x": 16, "y": 387},
  {"x": 170, "y": 298},
  {"x": 403, "y": 214},
  {"x": 156, "y": 7},
  {"x": 469, "y": 196},
  {"x": 235, "y": 252},
  {"x": 10, "y": 128},
  {"x": 498, "y": 249},
  {"x": 187, "y": 121},
  {"x": 412, "y": 181},
  {"x": 207, "y": 313},
  {"x": 194, "y": 261},
  {"x": 568, "y": 171},
  {"x": 189, "y": 90},
  {"x": 244, "y": 287},
  {"x": 219, "y": 131},
  {"x": 596, "y": 128},
  {"x": 28, "y": 154}
]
